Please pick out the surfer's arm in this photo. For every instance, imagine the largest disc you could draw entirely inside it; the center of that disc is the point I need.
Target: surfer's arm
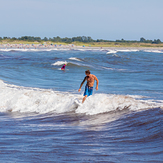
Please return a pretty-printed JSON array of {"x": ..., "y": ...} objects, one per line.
[
  {"x": 82, "y": 84},
  {"x": 96, "y": 82}
]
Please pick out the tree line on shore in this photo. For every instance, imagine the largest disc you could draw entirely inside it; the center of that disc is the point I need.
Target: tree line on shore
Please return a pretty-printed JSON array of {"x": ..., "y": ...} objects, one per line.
[{"x": 83, "y": 39}]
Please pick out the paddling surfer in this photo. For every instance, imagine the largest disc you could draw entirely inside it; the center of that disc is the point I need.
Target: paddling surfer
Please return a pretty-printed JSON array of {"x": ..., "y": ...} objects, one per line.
[
  {"x": 89, "y": 86},
  {"x": 63, "y": 67}
]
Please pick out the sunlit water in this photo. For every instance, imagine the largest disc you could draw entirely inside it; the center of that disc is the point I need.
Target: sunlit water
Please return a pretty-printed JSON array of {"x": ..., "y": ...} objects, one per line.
[{"x": 41, "y": 122}]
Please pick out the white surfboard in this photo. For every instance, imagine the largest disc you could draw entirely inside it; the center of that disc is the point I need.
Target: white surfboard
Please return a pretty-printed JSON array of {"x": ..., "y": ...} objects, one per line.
[{"x": 77, "y": 102}]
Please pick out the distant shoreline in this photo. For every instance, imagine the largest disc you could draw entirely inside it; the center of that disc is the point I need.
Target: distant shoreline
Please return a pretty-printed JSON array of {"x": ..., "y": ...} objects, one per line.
[
  {"x": 76, "y": 42},
  {"x": 64, "y": 46}
]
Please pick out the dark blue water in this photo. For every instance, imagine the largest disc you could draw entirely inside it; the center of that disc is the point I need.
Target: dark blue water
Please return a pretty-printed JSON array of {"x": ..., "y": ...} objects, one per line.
[{"x": 121, "y": 122}]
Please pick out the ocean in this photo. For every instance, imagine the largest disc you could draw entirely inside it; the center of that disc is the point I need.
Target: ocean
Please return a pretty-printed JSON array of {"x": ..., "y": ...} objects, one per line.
[{"x": 41, "y": 122}]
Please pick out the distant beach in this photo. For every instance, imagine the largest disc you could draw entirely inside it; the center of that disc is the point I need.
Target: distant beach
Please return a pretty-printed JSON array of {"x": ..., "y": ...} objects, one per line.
[{"x": 51, "y": 46}]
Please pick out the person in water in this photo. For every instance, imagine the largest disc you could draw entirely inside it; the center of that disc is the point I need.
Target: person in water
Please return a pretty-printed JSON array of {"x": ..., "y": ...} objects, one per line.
[
  {"x": 89, "y": 86},
  {"x": 63, "y": 67}
]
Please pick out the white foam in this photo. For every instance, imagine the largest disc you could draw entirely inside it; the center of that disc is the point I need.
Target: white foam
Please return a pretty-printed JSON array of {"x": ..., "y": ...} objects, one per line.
[
  {"x": 28, "y": 49},
  {"x": 111, "y": 52},
  {"x": 114, "y": 69},
  {"x": 59, "y": 63},
  {"x": 7, "y": 50},
  {"x": 81, "y": 49},
  {"x": 128, "y": 50},
  {"x": 102, "y": 103},
  {"x": 21, "y": 99},
  {"x": 154, "y": 51},
  {"x": 115, "y": 55},
  {"x": 74, "y": 58},
  {"x": 121, "y": 50},
  {"x": 137, "y": 96}
]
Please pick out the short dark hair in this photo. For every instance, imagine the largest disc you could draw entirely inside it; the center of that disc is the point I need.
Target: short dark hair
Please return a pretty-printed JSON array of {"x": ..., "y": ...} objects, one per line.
[{"x": 87, "y": 72}]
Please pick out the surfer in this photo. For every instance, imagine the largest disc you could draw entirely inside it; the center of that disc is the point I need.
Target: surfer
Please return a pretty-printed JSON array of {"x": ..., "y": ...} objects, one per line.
[
  {"x": 89, "y": 86},
  {"x": 63, "y": 67}
]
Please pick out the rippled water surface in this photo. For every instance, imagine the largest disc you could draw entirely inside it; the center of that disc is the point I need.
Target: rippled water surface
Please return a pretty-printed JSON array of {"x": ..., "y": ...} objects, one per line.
[{"x": 40, "y": 120}]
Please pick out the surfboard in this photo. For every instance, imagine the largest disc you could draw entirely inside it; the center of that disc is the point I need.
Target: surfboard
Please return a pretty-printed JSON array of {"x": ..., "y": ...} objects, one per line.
[{"x": 77, "y": 102}]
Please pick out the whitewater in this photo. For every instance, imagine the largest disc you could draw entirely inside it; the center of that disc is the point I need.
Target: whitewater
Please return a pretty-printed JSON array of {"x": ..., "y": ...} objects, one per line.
[
  {"x": 20, "y": 99},
  {"x": 41, "y": 120}
]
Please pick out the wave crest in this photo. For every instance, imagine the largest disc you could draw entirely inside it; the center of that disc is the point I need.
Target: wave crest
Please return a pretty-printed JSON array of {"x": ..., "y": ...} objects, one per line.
[
  {"x": 59, "y": 63},
  {"x": 22, "y": 99}
]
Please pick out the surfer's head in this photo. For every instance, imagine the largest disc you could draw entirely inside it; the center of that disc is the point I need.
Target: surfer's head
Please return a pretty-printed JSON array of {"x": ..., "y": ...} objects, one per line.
[{"x": 87, "y": 72}]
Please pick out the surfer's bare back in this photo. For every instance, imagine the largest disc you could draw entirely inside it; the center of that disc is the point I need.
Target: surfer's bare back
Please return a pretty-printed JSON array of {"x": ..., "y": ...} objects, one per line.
[{"x": 89, "y": 86}]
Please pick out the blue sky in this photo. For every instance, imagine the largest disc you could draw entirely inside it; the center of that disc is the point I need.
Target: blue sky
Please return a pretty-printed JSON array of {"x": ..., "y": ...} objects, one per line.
[{"x": 100, "y": 19}]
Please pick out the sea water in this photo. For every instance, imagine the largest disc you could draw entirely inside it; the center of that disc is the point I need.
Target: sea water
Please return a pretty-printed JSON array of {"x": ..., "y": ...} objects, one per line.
[{"x": 41, "y": 122}]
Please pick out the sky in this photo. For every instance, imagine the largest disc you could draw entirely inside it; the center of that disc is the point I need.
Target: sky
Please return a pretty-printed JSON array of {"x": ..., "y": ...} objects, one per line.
[{"x": 99, "y": 19}]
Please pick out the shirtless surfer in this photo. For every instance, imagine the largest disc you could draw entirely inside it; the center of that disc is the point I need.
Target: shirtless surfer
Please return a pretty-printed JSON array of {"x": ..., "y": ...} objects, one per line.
[{"x": 89, "y": 86}]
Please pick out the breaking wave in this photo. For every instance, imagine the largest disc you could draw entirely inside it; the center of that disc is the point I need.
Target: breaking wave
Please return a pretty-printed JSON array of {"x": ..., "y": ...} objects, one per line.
[
  {"x": 22, "y": 99},
  {"x": 153, "y": 51},
  {"x": 59, "y": 63},
  {"x": 74, "y": 58},
  {"x": 26, "y": 50},
  {"x": 121, "y": 50}
]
